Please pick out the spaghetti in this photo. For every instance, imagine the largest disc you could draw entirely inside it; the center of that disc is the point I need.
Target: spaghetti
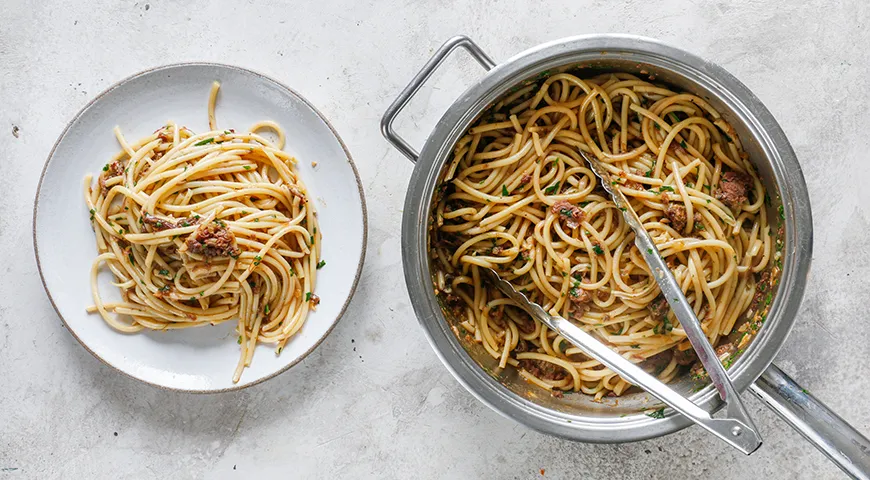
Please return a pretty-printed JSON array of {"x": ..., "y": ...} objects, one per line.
[
  {"x": 200, "y": 229},
  {"x": 517, "y": 197}
]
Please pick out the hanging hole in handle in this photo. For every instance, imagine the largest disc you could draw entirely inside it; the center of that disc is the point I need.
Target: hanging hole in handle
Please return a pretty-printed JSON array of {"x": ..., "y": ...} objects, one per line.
[{"x": 418, "y": 81}]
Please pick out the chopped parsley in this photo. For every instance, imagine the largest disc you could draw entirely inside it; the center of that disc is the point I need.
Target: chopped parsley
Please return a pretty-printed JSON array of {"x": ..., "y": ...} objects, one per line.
[
  {"x": 635, "y": 346},
  {"x": 321, "y": 264},
  {"x": 257, "y": 260},
  {"x": 204, "y": 142},
  {"x": 666, "y": 188},
  {"x": 164, "y": 272},
  {"x": 649, "y": 251},
  {"x": 239, "y": 341},
  {"x": 247, "y": 167},
  {"x": 781, "y": 212},
  {"x": 683, "y": 143},
  {"x": 699, "y": 226},
  {"x": 106, "y": 168},
  {"x": 552, "y": 188},
  {"x": 660, "y": 413},
  {"x": 597, "y": 248},
  {"x": 266, "y": 309},
  {"x": 132, "y": 259},
  {"x": 307, "y": 296},
  {"x": 504, "y": 191}
]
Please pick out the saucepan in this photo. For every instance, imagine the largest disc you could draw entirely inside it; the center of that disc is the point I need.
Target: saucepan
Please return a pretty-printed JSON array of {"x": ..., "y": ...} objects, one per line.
[{"x": 622, "y": 419}]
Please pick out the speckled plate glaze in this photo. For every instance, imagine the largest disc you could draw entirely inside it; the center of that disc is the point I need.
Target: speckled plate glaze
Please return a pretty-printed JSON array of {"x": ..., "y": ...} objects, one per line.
[{"x": 197, "y": 359}]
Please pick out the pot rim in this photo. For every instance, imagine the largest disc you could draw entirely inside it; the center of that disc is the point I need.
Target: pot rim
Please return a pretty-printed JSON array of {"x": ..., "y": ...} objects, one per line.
[{"x": 744, "y": 105}]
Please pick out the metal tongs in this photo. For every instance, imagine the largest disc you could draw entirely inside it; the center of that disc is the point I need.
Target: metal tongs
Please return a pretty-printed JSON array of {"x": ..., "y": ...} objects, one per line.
[{"x": 735, "y": 427}]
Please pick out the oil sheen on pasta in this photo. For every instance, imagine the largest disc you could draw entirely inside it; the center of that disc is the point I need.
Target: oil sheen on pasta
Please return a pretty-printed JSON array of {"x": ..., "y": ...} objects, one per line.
[
  {"x": 517, "y": 197},
  {"x": 200, "y": 229}
]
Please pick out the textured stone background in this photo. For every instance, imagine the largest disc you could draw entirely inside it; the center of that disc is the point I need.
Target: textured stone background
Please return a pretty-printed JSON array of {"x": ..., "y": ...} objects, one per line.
[{"x": 389, "y": 409}]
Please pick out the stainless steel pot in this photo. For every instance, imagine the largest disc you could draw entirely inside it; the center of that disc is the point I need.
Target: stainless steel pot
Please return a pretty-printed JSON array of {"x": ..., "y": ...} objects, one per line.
[{"x": 575, "y": 416}]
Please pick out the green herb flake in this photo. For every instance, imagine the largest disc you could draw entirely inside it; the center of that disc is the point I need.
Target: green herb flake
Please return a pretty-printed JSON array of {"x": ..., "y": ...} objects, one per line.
[
  {"x": 649, "y": 251},
  {"x": 660, "y": 413},
  {"x": 683, "y": 143},
  {"x": 635, "y": 346},
  {"x": 552, "y": 188},
  {"x": 307, "y": 296},
  {"x": 666, "y": 188},
  {"x": 781, "y": 212},
  {"x": 202, "y": 293},
  {"x": 247, "y": 167},
  {"x": 239, "y": 341},
  {"x": 504, "y": 191},
  {"x": 106, "y": 168},
  {"x": 131, "y": 258},
  {"x": 164, "y": 272},
  {"x": 257, "y": 260},
  {"x": 204, "y": 142},
  {"x": 266, "y": 309},
  {"x": 597, "y": 249},
  {"x": 321, "y": 264}
]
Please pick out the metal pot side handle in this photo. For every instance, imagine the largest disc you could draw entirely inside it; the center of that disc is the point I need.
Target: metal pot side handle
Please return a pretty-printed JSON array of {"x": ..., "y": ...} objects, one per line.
[
  {"x": 839, "y": 441},
  {"x": 417, "y": 82}
]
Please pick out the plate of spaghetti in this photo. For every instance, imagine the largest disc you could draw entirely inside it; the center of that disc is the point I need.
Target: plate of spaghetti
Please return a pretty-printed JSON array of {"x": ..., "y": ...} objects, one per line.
[{"x": 200, "y": 227}]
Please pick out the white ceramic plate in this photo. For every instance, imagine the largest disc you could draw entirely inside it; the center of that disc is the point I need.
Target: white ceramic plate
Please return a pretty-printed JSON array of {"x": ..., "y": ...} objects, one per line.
[{"x": 196, "y": 359}]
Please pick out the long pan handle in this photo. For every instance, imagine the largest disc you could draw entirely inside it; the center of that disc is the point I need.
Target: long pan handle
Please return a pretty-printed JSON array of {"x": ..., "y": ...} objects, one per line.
[{"x": 839, "y": 441}]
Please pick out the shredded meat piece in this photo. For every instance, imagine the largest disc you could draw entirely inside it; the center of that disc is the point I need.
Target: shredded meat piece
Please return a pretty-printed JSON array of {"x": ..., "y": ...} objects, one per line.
[
  {"x": 570, "y": 215},
  {"x": 685, "y": 357},
  {"x": 314, "y": 300},
  {"x": 524, "y": 323},
  {"x": 659, "y": 308},
  {"x": 578, "y": 295},
  {"x": 602, "y": 295},
  {"x": 525, "y": 179},
  {"x": 116, "y": 169},
  {"x": 454, "y": 302},
  {"x": 658, "y": 362},
  {"x": 634, "y": 185},
  {"x": 557, "y": 393},
  {"x": 677, "y": 215},
  {"x": 762, "y": 289},
  {"x": 157, "y": 224},
  {"x": 733, "y": 188},
  {"x": 212, "y": 240},
  {"x": 543, "y": 369},
  {"x": 523, "y": 346}
]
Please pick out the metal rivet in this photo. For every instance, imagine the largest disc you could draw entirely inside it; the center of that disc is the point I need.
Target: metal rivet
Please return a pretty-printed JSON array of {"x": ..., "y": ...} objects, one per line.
[{"x": 736, "y": 431}]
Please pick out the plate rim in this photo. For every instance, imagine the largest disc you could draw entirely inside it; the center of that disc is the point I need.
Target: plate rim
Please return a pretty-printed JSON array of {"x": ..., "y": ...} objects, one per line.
[{"x": 261, "y": 76}]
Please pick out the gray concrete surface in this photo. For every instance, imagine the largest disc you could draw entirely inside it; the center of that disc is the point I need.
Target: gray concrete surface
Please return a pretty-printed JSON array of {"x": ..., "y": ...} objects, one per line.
[{"x": 373, "y": 401}]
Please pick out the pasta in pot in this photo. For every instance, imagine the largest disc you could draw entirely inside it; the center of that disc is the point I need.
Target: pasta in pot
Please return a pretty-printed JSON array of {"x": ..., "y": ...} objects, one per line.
[{"x": 516, "y": 196}]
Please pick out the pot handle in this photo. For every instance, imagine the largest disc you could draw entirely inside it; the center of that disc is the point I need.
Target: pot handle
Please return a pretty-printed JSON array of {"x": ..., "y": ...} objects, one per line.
[
  {"x": 839, "y": 441},
  {"x": 417, "y": 82}
]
